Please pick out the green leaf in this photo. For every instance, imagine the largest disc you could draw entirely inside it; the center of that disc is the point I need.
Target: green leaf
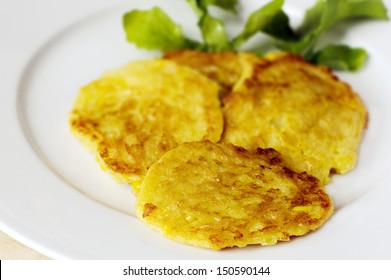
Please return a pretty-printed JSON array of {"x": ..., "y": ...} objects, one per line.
[
  {"x": 341, "y": 57},
  {"x": 212, "y": 29},
  {"x": 325, "y": 14},
  {"x": 214, "y": 35},
  {"x": 200, "y": 7},
  {"x": 279, "y": 27},
  {"x": 154, "y": 30},
  {"x": 265, "y": 18},
  {"x": 229, "y": 5},
  {"x": 197, "y": 7}
]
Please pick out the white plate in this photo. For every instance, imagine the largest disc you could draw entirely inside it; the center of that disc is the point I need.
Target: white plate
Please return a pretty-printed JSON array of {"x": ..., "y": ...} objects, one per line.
[{"x": 54, "y": 197}]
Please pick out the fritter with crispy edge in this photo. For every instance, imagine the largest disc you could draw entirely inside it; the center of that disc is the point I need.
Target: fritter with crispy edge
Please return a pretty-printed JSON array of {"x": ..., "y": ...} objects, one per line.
[
  {"x": 229, "y": 69},
  {"x": 218, "y": 196},
  {"x": 303, "y": 111},
  {"x": 132, "y": 115}
]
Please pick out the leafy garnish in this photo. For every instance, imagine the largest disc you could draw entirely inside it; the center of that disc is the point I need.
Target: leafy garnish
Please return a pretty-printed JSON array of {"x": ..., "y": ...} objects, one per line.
[
  {"x": 340, "y": 57},
  {"x": 229, "y": 5},
  {"x": 212, "y": 29},
  {"x": 326, "y": 14},
  {"x": 269, "y": 19},
  {"x": 153, "y": 29},
  {"x": 215, "y": 37}
]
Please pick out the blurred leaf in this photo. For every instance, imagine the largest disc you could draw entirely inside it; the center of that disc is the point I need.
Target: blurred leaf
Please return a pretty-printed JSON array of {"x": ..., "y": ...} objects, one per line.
[{"x": 341, "y": 57}]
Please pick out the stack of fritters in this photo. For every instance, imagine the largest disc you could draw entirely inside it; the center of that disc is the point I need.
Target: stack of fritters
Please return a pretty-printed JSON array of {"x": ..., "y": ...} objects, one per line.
[{"x": 223, "y": 149}]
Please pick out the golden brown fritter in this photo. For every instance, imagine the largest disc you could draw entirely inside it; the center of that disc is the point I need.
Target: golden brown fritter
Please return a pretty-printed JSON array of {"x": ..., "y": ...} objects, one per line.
[
  {"x": 226, "y": 68},
  {"x": 218, "y": 195},
  {"x": 132, "y": 115},
  {"x": 303, "y": 111}
]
